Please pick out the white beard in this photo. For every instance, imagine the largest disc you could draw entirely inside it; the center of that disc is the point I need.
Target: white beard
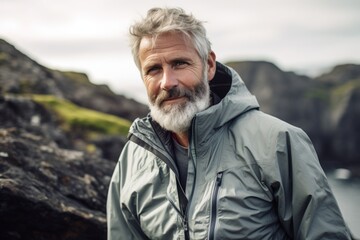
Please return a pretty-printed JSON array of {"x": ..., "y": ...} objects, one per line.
[{"x": 177, "y": 117}]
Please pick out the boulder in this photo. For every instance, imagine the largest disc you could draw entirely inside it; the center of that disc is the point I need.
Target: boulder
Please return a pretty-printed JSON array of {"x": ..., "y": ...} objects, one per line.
[{"x": 47, "y": 191}]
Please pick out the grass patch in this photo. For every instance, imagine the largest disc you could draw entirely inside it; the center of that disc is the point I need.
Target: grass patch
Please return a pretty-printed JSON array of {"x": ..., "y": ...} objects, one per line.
[
  {"x": 318, "y": 93},
  {"x": 346, "y": 88},
  {"x": 88, "y": 122},
  {"x": 4, "y": 57},
  {"x": 334, "y": 95},
  {"x": 342, "y": 91},
  {"x": 76, "y": 76}
]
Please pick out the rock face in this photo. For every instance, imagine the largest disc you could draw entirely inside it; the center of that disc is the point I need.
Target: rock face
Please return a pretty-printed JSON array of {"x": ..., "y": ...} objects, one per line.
[
  {"x": 279, "y": 93},
  {"x": 53, "y": 181},
  {"x": 47, "y": 192},
  {"x": 50, "y": 193},
  {"x": 343, "y": 112},
  {"x": 20, "y": 74},
  {"x": 326, "y": 107}
]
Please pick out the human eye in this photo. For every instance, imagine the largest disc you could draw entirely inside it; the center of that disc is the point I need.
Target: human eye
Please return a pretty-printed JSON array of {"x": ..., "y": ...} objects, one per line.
[
  {"x": 152, "y": 70},
  {"x": 180, "y": 64}
]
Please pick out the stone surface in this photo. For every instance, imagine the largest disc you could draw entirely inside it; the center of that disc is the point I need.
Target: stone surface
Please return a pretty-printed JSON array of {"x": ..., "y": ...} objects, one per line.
[{"x": 47, "y": 191}]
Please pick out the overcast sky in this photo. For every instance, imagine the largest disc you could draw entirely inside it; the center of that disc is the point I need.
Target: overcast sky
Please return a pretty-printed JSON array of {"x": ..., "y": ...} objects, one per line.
[{"x": 305, "y": 36}]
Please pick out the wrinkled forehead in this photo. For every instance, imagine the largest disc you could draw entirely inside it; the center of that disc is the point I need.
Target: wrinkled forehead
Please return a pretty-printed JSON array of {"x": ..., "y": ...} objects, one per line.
[{"x": 167, "y": 38}]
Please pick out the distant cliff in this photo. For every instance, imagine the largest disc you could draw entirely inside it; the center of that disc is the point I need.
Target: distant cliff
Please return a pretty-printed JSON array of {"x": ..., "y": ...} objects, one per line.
[
  {"x": 60, "y": 136},
  {"x": 326, "y": 107}
]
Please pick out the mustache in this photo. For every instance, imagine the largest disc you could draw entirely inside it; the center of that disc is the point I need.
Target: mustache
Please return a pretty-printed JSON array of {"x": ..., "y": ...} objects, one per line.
[{"x": 175, "y": 92}]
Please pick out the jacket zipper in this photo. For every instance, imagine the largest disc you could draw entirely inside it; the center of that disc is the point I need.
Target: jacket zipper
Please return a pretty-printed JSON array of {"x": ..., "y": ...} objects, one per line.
[
  {"x": 192, "y": 156},
  {"x": 182, "y": 212},
  {"x": 214, "y": 201},
  {"x": 184, "y": 218}
]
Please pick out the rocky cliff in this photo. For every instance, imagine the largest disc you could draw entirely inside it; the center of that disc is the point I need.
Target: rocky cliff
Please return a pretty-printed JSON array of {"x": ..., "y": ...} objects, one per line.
[
  {"x": 326, "y": 107},
  {"x": 19, "y": 74},
  {"x": 57, "y": 150},
  {"x": 60, "y": 136}
]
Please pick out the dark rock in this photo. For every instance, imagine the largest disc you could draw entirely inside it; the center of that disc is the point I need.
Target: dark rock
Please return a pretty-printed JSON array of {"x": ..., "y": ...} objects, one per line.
[
  {"x": 110, "y": 146},
  {"x": 340, "y": 74},
  {"x": 278, "y": 92},
  {"x": 22, "y": 113},
  {"x": 51, "y": 187},
  {"x": 49, "y": 192}
]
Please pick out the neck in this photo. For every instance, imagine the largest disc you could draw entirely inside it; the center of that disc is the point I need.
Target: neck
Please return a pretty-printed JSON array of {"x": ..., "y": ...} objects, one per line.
[{"x": 182, "y": 138}]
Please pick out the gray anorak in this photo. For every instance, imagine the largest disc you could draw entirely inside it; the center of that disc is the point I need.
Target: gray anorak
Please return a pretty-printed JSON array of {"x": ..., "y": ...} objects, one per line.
[{"x": 250, "y": 176}]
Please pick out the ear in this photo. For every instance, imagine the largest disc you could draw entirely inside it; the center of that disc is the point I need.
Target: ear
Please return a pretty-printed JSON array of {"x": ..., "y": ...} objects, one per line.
[{"x": 211, "y": 62}]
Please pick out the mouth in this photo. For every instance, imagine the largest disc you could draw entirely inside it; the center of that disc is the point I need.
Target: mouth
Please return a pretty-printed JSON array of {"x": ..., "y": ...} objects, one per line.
[{"x": 173, "y": 100}]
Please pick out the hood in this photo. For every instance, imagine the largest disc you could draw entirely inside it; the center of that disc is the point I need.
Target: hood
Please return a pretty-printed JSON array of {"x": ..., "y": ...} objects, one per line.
[{"x": 235, "y": 99}]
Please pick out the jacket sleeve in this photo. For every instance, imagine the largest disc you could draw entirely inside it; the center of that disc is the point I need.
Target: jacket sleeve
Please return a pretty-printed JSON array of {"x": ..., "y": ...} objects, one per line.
[
  {"x": 306, "y": 205},
  {"x": 120, "y": 223}
]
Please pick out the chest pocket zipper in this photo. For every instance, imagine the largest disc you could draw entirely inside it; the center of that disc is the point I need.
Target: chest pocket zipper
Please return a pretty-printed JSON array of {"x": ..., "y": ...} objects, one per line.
[{"x": 213, "y": 206}]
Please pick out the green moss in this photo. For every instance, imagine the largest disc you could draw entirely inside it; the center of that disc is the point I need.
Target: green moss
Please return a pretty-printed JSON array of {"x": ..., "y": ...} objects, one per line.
[
  {"x": 346, "y": 88},
  {"x": 333, "y": 96},
  {"x": 318, "y": 93},
  {"x": 342, "y": 91},
  {"x": 25, "y": 85},
  {"x": 91, "y": 148},
  {"x": 81, "y": 120},
  {"x": 3, "y": 57},
  {"x": 76, "y": 76}
]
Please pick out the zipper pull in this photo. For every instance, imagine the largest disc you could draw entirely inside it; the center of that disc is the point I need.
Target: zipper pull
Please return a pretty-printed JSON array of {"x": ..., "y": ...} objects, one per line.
[
  {"x": 219, "y": 178},
  {"x": 186, "y": 228},
  {"x": 185, "y": 222}
]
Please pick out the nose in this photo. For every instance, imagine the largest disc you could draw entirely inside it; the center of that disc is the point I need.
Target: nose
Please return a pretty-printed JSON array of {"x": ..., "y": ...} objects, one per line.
[{"x": 169, "y": 79}]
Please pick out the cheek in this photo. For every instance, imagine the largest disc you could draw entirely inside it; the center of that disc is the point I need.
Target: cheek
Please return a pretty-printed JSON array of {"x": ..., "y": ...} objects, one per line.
[
  {"x": 192, "y": 78},
  {"x": 152, "y": 90}
]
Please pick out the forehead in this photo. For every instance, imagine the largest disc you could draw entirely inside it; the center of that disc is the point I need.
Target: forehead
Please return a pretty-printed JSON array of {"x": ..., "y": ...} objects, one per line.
[{"x": 166, "y": 43}]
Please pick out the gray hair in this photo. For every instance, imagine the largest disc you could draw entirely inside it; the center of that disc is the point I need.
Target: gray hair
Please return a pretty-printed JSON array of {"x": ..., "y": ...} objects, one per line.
[{"x": 165, "y": 20}]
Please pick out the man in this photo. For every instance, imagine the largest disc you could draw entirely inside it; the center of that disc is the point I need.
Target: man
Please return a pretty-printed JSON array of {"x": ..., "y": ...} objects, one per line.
[{"x": 206, "y": 163}]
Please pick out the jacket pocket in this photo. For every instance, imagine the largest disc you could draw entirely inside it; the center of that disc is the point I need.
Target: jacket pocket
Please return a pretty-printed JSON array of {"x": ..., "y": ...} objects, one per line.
[{"x": 213, "y": 206}]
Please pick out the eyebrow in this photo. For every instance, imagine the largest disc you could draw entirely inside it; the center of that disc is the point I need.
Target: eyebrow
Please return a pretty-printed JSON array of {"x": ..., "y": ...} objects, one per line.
[
  {"x": 184, "y": 59},
  {"x": 172, "y": 61},
  {"x": 151, "y": 65}
]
